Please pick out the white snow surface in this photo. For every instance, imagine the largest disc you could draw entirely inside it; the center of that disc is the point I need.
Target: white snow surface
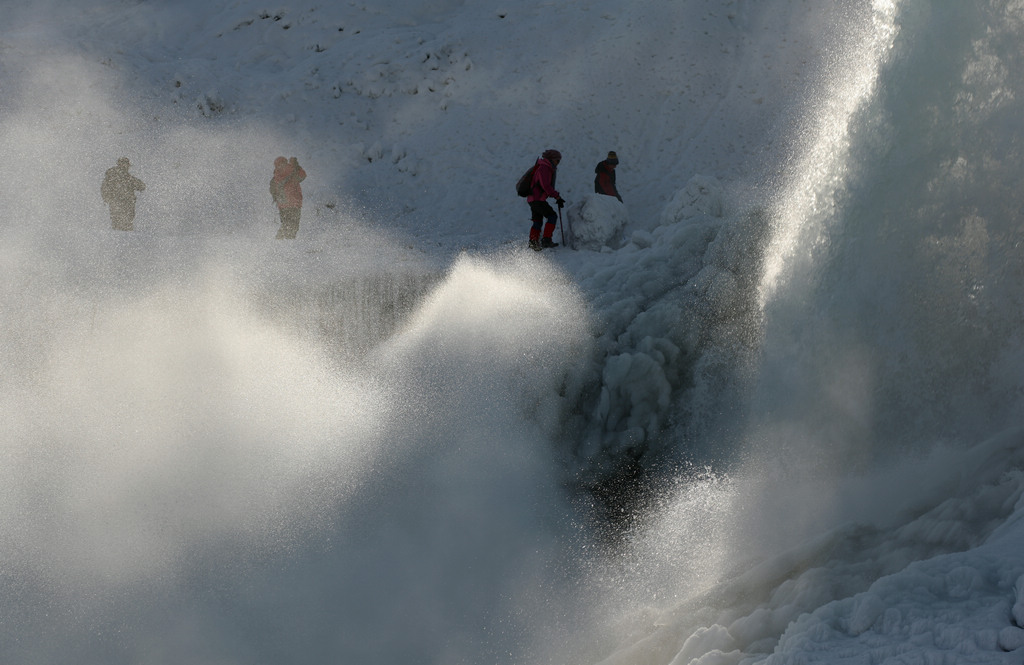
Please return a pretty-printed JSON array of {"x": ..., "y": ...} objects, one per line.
[{"x": 380, "y": 442}]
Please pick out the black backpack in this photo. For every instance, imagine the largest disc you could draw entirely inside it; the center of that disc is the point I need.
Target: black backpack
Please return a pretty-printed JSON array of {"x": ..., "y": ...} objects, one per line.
[{"x": 525, "y": 182}]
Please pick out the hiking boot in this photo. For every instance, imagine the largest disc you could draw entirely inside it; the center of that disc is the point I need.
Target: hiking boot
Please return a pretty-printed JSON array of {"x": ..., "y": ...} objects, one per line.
[
  {"x": 534, "y": 245},
  {"x": 546, "y": 243}
]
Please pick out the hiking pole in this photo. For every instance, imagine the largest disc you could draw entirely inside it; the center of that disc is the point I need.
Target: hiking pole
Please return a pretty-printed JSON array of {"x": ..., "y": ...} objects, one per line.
[{"x": 560, "y": 229}]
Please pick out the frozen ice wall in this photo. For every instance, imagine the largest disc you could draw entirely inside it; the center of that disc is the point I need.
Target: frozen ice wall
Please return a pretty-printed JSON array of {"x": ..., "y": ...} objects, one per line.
[
  {"x": 880, "y": 428},
  {"x": 904, "y": 300}
]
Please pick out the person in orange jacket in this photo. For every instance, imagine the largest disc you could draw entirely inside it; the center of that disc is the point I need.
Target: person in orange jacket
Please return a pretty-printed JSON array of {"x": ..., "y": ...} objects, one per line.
[
  {"x": 287, "y": 194},
  {"x": 543, "y": 188}
]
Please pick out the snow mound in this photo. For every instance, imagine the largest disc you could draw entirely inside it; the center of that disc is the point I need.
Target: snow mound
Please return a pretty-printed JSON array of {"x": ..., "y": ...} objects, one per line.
[{"x": 596, "y": 222}]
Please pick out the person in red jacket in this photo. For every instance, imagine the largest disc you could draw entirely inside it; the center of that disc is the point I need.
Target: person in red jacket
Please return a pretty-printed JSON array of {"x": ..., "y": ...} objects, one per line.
[
  {"x": 542, "y": 188},
  {"x": 604, "y": 180},
  {"x": 287, "y": 194}
]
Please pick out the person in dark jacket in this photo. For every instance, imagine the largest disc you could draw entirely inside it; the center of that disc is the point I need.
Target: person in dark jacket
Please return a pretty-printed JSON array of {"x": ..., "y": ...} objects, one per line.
[
  {"x": 604, "y": 180},
  {"x": 542, "y": 188},
  {"x": 118, "y": 191}
]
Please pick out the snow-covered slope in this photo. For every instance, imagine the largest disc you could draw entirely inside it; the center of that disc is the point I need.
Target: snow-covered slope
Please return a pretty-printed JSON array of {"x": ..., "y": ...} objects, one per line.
[{"x": 425, "y": 114}]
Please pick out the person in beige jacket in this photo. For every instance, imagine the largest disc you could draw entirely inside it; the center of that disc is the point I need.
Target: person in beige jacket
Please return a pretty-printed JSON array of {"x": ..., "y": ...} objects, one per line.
[{"x": 118, "y": 191}]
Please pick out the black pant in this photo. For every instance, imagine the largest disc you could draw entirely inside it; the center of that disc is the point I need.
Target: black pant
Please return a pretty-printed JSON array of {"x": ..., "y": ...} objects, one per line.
[{"x": 541, "y": 210}]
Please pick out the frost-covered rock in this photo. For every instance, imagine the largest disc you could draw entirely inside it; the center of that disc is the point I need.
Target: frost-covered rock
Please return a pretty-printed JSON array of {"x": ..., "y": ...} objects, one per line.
[
  {"x": 702, "y": 195},
  {"x": 596, "y": 221}
]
